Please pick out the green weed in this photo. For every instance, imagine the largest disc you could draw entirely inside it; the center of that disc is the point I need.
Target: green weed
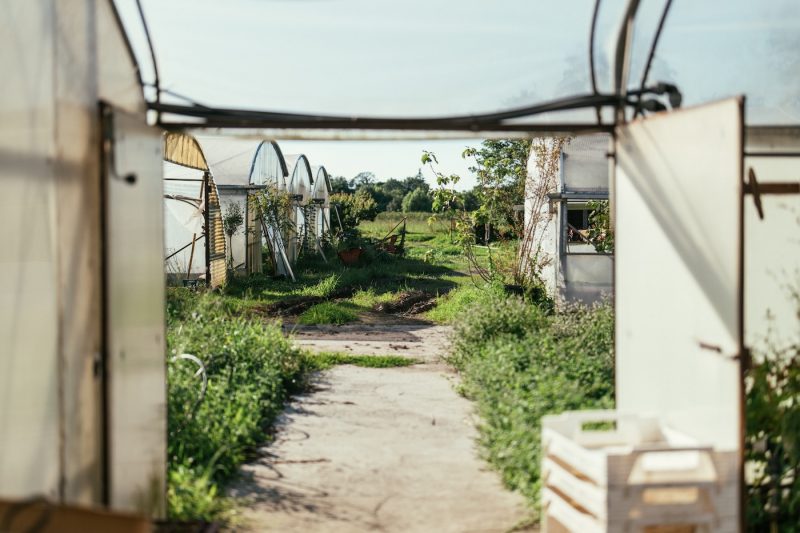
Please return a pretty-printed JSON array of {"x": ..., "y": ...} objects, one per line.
[
  {"x": 458, "y": 301},
  {"x": 326, "y": 360},
  {"x": 520, "y": 363},
  {"x": 251, "y": 368},
  {"x": 327, "y": 313}
]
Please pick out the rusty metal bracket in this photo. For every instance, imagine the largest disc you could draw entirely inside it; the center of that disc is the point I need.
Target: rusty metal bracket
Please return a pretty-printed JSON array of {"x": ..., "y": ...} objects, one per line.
[{"x": 753, "y": 189}]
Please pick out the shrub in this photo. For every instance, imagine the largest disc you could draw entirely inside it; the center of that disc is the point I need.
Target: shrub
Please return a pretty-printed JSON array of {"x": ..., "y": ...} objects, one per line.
[
  {"x": 250, "y": 368},
  {"x": 353, "y": 208},
  {"x": 520, "y": 363},
  {"x": 417, "y": 200},
  {"x": 491, "y": 316},
  {"x": 772, "y": 441}
]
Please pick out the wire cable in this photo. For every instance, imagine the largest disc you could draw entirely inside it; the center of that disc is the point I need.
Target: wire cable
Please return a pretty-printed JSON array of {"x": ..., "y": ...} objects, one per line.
[
  {"x": 592, "y": 72},
  {"x": 652, "y": 53},
  {"x": 152, "y": 54}
]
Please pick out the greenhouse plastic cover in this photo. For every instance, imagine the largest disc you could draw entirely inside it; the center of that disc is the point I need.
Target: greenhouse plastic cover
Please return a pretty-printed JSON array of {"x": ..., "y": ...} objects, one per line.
[
  {"x": 435, "y": 58},
  {"x": 244, "y": 161}
]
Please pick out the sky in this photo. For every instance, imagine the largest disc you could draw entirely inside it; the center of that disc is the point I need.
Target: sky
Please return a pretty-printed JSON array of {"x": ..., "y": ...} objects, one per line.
[{"x": 424, "y": 58}]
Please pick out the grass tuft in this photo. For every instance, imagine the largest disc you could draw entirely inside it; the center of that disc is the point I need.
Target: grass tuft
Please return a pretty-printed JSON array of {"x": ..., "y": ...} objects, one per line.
[
  {"x": 326, "y": 360},
  {"x": 327, "y": 313}
]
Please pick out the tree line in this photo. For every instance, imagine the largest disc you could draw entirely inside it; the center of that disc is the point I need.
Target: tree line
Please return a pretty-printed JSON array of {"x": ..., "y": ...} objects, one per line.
[{"x": 408, "y": 194}]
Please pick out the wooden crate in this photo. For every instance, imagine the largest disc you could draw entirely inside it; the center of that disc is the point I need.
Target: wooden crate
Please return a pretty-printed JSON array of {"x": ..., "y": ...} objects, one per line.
[{"x": 632, "y": 473}]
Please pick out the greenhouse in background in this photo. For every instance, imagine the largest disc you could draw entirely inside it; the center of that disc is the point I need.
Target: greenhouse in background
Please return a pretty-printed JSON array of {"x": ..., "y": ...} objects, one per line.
[{"x": 194, "y": 239}]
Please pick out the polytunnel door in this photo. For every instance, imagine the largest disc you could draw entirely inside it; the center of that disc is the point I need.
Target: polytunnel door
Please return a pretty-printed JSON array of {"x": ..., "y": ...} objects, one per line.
[
  {"x": 678, "y": 278},
  {"x": 678, "y": 248},
  {"x": 135, "y": 372}
]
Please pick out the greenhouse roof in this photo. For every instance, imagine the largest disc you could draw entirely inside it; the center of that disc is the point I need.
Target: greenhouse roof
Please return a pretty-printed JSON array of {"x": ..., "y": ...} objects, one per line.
[{"x": 516, "y": 66}]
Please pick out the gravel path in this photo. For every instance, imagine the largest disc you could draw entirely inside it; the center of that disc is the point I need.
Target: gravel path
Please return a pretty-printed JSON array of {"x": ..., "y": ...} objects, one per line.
[{"x": 377, "y": 449}]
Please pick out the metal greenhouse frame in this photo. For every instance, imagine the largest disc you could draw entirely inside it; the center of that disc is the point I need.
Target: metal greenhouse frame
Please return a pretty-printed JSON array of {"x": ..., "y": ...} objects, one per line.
[{"x": 82, "y": 372}]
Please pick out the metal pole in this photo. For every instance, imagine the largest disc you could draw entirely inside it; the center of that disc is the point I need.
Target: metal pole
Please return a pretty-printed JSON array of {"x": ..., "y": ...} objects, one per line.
[
  {"x": 191, "y": 256},
  {"x": 206, "y": 224}
]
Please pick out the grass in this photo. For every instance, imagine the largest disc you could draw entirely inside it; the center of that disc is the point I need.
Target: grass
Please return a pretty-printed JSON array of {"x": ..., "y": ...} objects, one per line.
[
  {"x": 326, "y": 360},
  {"x": 327, "y": 313},
  {"x": 460, "y": 300},
  {"x": 432, "y": 263},
  {"x": 251, "y": 369}
]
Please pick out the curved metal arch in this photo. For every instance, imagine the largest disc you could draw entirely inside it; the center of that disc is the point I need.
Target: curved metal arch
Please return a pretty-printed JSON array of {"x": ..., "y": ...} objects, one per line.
[
  {"x": 278, "y": 153},
  {"x": 301, "y": 162},
  {"x": 322, "y": 172}
]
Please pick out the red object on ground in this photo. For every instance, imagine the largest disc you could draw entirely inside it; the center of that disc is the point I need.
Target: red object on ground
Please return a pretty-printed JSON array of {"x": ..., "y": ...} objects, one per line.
[{"x": 350, "y": 257}]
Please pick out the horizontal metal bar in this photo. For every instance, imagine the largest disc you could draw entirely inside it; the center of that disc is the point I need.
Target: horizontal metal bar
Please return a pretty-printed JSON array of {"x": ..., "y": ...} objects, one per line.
[
  {"x": 578, "y": 195},
  {"x": 394, "y": 125},
  {"x": 183, "y": 179},
  {"x": 593, "y": 254},
  {"x": 772, "y": 154},
  {"x": 230, "y": 187},
  {"x": 774, "y": 188},
  {"x": 249, "y": 118}
]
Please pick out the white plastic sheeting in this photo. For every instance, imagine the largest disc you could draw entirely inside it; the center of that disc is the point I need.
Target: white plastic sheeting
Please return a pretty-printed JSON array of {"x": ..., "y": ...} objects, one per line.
[
  {"x": 135, "y": 318},
  {"x": 584, "y": 164},
  {"x": 493, "y": 56},
  {"x": 184, "y": 220},
  {"x": 321, "y": 196},
  {"x": 678, "y": 193},
  {"x": 299, "y": 185},
  {"x": 719, "y": 48},
  {"x": 238, "y": 165},
  {"x": 63, "y": 58},
  {"x": 772, "y": 244}
]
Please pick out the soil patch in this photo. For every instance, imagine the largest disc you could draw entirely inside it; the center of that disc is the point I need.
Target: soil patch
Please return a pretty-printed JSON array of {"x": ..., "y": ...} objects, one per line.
[
  {"x": 296, "y": 305},
  {"x": 408, "y": 303}
]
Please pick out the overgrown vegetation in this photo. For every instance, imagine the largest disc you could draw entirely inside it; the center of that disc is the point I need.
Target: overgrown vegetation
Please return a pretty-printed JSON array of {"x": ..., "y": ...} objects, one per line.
[
  {"x": 772, "y": 443},
  {"x": 250, "y": 369},
  {"x": 221, "y": 409},
  {"x": 518, "y": 363}
]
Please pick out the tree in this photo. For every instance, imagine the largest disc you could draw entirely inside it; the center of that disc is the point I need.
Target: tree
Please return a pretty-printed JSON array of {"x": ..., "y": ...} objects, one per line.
[
  {"x": 353, "y": 208},
  {"x": 416, "y": 182},
  {"x": 417, "y": 200},
  {"x": 340, "y": 185},
  {"x": 501, "y": 167},
  {"x": 361, "y": 179},
  {"x": 469, "y": 200},
  {"x": 377, "y": 192},
  {"x": 231, "y": 222}
]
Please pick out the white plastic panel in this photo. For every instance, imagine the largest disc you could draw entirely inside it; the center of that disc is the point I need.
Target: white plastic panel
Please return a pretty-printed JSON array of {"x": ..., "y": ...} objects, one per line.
[
  {"x": 584, "y": 163},
  {"x": 678, "y": 186},
  {"x": 136, "y": 346},
  {"x": 772, "y": 255},
  {"x": 588, "y": 278},
  {"x": 230, "y": 160},
  {"x": 269, "y": 167},
  {"x": 183, "y": 219},
  {"x": 29, "y": 321}
]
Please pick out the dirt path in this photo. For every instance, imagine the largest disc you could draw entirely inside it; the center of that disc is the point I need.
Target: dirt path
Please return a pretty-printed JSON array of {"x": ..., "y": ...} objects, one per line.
[{"x": 377, "y": 449}]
